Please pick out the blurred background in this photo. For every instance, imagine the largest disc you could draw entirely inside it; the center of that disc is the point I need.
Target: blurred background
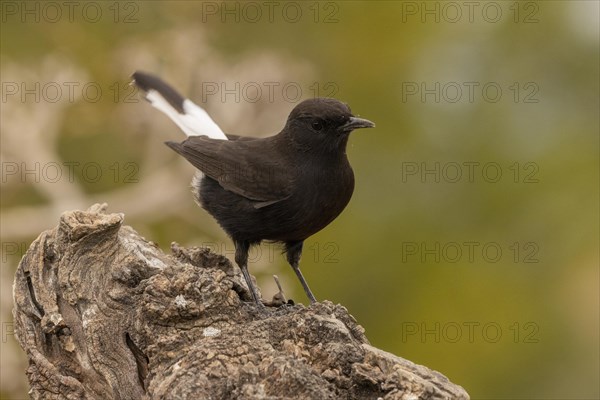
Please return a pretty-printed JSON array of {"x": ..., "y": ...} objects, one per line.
[{"x": 471, "y": 242}]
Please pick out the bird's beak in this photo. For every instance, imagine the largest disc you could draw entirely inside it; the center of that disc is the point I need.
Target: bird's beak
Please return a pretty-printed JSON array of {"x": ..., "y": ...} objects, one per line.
[{"x": 357, "y": 123}]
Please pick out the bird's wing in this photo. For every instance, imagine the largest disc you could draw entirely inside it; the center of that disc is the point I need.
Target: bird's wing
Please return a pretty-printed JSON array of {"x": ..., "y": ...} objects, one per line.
[
  {"x": 191, "y": 118},
  {"x": 239, "y": 166}
]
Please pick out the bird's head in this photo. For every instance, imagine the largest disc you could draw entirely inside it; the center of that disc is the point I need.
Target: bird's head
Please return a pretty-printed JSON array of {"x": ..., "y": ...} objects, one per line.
[{"x": 323, "y": 123}]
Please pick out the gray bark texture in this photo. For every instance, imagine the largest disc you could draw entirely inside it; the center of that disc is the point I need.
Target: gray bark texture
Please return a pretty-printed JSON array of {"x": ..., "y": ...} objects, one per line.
[{"x": 102, "y": 313}]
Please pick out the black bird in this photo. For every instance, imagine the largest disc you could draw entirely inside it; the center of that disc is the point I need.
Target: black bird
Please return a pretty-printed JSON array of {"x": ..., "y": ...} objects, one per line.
[{"x": 283, "y": 188}]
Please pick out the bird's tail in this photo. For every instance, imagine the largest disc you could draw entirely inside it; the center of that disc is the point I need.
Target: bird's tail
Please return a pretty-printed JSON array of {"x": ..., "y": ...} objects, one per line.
[{"x": 191, "y": 118}]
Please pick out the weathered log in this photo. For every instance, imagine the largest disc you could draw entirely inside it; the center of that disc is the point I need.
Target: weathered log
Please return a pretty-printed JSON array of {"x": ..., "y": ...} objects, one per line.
[{"x": 103, "y": 314}]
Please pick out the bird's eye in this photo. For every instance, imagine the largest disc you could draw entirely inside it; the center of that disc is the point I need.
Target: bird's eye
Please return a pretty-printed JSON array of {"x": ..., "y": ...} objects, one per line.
[{"x": 317, "y": 125}]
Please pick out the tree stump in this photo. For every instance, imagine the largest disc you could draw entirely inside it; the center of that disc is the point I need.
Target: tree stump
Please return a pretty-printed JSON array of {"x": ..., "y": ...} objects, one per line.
[{"x": 103, "y": 314}]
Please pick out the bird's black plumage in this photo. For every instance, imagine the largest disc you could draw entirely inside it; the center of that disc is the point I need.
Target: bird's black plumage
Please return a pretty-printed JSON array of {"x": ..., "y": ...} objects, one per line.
[
  {"x": 282, "y": 188},
  {"x": 148, "y": 82}
]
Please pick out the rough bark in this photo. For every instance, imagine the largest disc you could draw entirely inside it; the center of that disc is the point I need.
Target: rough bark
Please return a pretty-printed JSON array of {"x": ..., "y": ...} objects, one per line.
[{"x": 103, "y": 314}]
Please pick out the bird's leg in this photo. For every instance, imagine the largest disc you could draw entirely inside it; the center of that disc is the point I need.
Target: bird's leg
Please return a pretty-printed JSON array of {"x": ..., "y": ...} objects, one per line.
[
  {"x": 294, "y": 251},
  {"x": 241, "y": 258}
]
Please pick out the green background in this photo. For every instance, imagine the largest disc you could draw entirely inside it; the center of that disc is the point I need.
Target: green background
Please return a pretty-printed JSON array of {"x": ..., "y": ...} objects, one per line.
[{"x": 520, "y": 324}]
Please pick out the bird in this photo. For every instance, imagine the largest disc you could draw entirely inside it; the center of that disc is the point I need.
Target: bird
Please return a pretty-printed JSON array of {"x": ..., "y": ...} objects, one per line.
[{"x": 282, "y": 188}]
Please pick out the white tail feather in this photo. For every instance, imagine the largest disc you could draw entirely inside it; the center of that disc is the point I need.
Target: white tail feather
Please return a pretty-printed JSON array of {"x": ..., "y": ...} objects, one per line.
[{"x": 193, "y": 122}]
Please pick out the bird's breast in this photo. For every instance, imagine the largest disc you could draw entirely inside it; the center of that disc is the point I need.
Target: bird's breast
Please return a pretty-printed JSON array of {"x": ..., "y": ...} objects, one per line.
[{"x": 321, "y": 195}]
